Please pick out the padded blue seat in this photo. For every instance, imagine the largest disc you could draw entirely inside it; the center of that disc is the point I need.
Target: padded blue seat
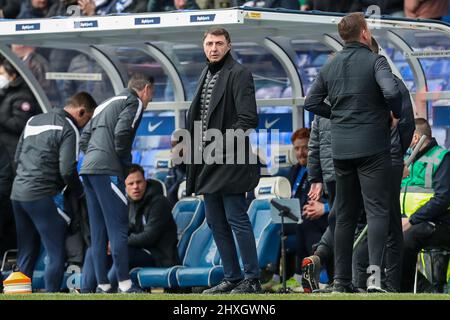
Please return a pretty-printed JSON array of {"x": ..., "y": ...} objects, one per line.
[
  {"x": 266, "y": 233},
  {"x": 188, "y": 213},
  {"x": 160, "y": 174},
  {"x": 157, "y": 277},
  {"x": 201, "y": 264},
  {"x": 202, "y": 267}
]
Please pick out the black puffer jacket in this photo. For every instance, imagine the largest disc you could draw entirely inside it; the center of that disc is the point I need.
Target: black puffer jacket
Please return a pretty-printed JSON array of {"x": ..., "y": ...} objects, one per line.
[
  {"x": 6, "y": 175},
  {"x": 320, "y": 160},
  {"x": 17, "y": 105},
  {"x": 152, "y": 227}
]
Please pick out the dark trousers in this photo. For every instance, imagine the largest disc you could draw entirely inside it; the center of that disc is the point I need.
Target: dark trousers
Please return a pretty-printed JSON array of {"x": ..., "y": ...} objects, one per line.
[
  {"x": 324, "y": 249},
  {"x": 417, "y": 237},
  {"x": 326, "y": 243},
  {"x": 7, "y": 227},
  {"x": 136, "y": 258},
  {"x": 369, "y": 177},
  {"x": 38, "y": 221},
  {"x": 227, "y": 214},
  {"x": 88, "y": 280},
  {"x": 392, "y": 258},
  {"x": 308, "y": 233},
  {"x": 108, "y": 219}
]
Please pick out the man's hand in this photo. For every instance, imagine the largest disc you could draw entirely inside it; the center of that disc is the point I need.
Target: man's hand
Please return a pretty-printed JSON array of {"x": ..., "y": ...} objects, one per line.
[
  {"x": 108, "y": 249},
  {"x": 405, "y": 224},
  {"x": 313, "y": 210},
  {"x": 87, "y": 6},
  {"x": 315, "y": 192},
  {"x": 405, "y": 172}
]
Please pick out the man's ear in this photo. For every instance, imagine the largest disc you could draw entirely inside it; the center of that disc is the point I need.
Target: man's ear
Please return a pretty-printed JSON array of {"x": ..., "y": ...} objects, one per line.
[{"x": 81, "y": 112}]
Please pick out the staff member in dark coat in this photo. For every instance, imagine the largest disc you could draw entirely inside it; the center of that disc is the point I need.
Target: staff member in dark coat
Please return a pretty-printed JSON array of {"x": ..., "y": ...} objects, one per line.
[
  {"x": 362, "y": 91},
  {"x": 225, "y": 99},
  {"x": 17, "y": 105},
  {"x": 46, "y": 158}
]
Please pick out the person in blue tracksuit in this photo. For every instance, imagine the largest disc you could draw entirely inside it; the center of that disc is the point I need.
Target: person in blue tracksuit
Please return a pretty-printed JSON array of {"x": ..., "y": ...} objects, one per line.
[
  {"x": 106, "y": 142},
  {"x": 46, "y": 158}
]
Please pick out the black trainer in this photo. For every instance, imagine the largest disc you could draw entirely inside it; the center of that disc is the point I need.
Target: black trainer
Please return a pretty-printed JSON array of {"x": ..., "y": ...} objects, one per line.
[
  {"x": 224, "y": 286},
  {"x": 344, "y": 288},
  {"x": 101, "y": 291},
  {"x": 133, "y": 289},
  {"x": 311, "y": 273},
  {"x": 375, "y": 289},
  {"x": 248, "y": 286}
]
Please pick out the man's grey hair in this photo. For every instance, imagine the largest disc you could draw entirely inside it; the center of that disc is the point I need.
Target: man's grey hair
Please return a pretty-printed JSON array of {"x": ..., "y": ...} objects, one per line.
[{"x": 138, "y": 81}]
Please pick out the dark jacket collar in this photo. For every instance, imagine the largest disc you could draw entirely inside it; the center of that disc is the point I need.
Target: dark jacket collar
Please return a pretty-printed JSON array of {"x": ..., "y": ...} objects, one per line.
[
  {"x": 216, "y": 66},
  {"x": 356, "y": 45}
]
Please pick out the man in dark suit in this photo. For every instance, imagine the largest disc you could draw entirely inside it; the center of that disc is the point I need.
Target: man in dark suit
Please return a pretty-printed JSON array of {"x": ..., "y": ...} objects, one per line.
[
  {"x": 225, "y": 102},
  {"x": 362, "y": 92}
]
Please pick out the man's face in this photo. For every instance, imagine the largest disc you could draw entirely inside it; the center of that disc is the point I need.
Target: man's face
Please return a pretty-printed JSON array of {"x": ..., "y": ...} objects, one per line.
[
  {"x": 39, "y": 4},
  {"x": 301, "y": 150},
  {"x": 215, "y": 47},
  {"x": 415, "y": 140},
  {"x": 83, "y": 117},
  {"x": 366, "y": 35},
  {"x": 179, "y": 4},
  {"x": 147, "y": 95},
  {"x": 135, "y": 185}
]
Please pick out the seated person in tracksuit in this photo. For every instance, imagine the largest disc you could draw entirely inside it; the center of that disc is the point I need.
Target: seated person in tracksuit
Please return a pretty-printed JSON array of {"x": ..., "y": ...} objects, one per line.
[
  {"x": 152, "y": 233},
  {"x": 46, "y": 159},
  {"x": 425, "y": 200}
]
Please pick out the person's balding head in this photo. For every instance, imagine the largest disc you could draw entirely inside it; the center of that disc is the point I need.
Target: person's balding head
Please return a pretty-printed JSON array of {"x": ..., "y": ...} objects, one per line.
[{"x": 423, "y": 128}]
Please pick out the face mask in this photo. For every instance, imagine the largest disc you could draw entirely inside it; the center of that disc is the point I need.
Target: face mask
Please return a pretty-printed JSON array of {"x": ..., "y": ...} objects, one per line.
[{"x": 4, "y": 82}]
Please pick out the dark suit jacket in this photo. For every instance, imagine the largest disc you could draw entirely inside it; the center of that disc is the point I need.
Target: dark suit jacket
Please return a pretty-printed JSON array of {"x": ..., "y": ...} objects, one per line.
[{"x": 232, "y": 106}]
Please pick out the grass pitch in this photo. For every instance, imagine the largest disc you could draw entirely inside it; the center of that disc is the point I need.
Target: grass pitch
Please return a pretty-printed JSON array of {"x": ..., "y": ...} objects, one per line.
[{"x": 163, "y": 296}]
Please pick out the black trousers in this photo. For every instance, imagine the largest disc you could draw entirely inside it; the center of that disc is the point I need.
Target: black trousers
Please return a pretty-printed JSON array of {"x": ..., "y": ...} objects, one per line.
[
  {"x": 417, "y": 237},
  {"x": 325, "y": 248},
  {"x": 393, "y": 253},
  {"x": 308, "y": 233},
  {"x": 368, "y": 177}
]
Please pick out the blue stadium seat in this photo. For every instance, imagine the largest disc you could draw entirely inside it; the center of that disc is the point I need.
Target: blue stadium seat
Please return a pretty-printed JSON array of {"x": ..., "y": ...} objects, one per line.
[
  {"x": 188, "y": 213},
  {"x": 267, "y": 233},
  {"x": 202, "y": 268},
  {"x": 281, "y": 160},
  {"x": 201, "y": 264},
  {"x": 160, "y": 175},
  {"x": 162, "y": 163}
]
